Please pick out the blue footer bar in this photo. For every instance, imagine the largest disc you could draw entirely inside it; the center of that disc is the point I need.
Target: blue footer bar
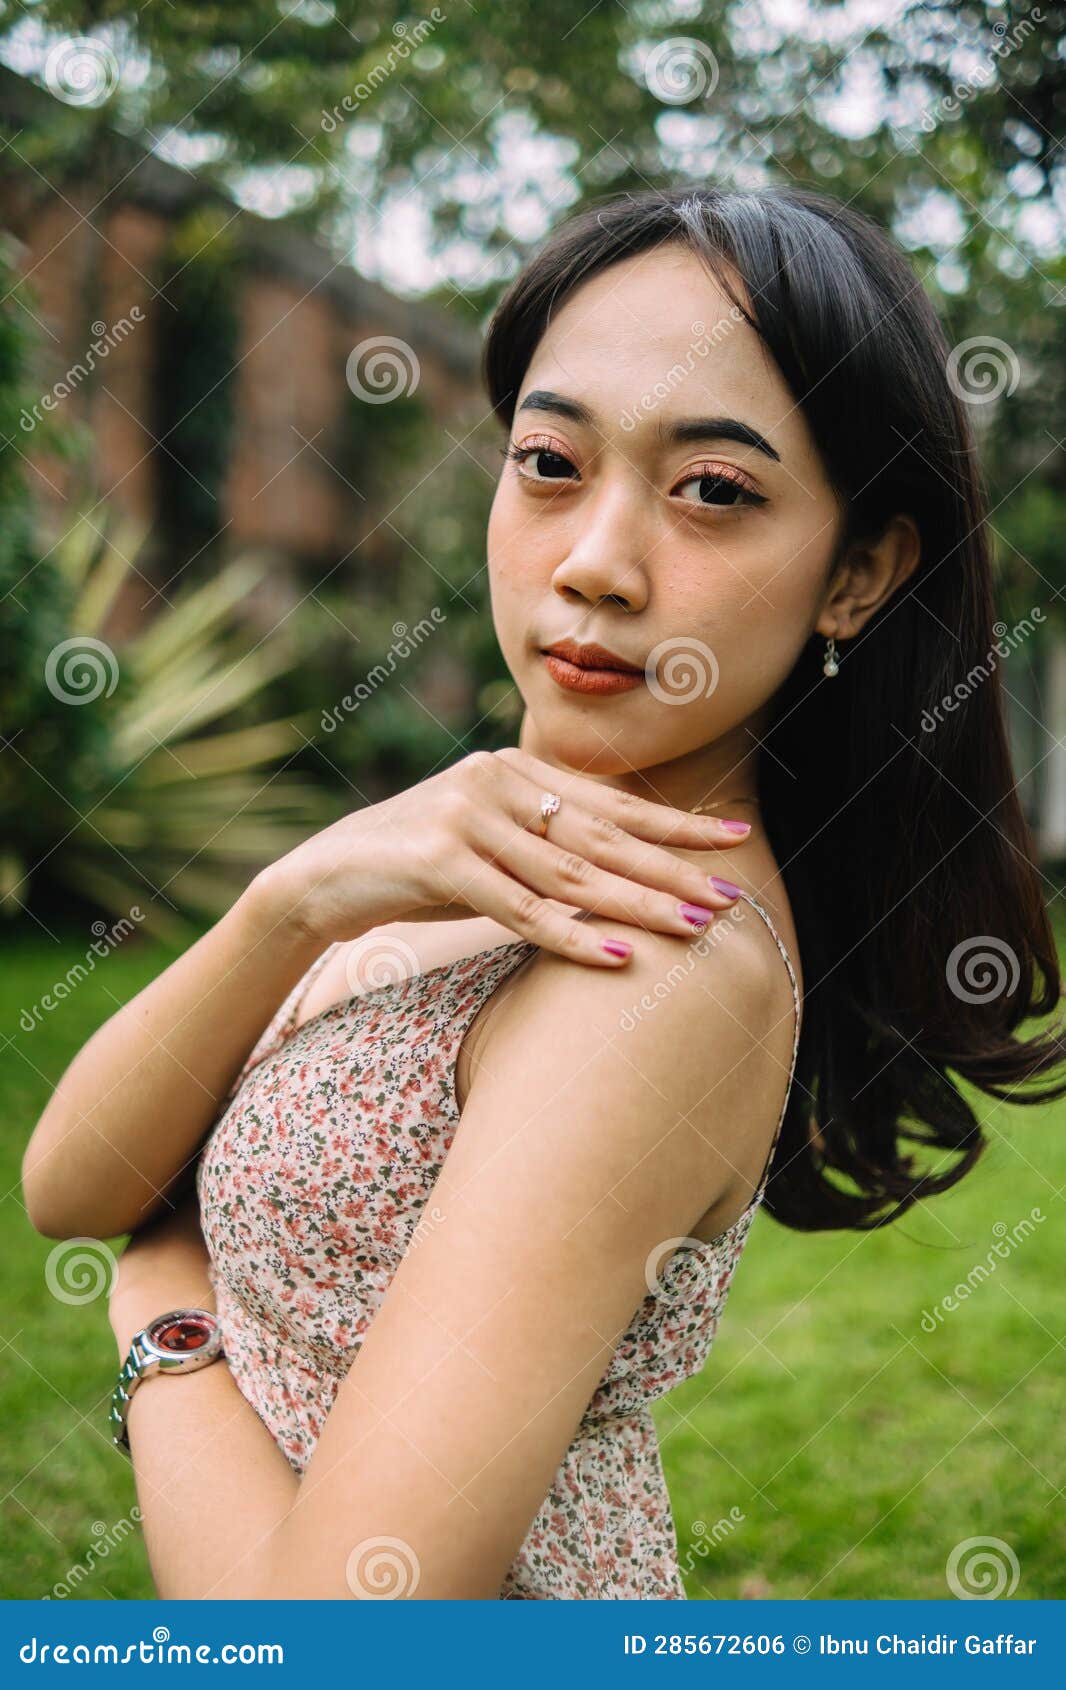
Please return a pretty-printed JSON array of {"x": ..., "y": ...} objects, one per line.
[{"x": 383, "y": 1643}]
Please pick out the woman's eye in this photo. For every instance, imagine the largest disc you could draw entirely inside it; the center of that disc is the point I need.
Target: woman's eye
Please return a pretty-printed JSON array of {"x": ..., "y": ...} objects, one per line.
[
  {"x": 718, "y": 491},
  {"x": 540, "y": 463}
]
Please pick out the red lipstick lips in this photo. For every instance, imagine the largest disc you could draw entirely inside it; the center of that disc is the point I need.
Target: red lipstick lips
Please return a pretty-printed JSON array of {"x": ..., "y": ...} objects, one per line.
[{"x": 591, "y": 668}]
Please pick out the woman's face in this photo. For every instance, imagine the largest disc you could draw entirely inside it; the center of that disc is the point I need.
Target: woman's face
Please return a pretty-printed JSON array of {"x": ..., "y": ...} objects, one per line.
[{"x": 700, "y": 558}]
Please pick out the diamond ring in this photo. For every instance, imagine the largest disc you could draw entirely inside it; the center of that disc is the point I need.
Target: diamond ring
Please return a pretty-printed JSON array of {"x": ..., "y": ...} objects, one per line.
[{"x": 549, "y": 804}]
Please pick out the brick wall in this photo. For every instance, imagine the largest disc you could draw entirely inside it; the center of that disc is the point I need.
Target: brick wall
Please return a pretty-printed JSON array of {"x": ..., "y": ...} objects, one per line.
[{"x": 298, "y": 321}]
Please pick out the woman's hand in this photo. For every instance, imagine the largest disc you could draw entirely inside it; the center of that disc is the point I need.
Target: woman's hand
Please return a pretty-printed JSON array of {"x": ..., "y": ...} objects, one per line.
[
  {"x": 164, "y": 1266},
  {"x": 464, "y": 843}
]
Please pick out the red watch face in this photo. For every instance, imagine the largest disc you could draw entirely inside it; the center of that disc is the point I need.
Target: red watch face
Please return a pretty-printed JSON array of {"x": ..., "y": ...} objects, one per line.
[{"x": 189, "y": 1333}]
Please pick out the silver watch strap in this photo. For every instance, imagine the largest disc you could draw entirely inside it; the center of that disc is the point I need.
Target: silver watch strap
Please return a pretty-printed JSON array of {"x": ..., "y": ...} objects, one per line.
[
  {"x": 147, "y": 1357},
  {"x": 128, "y": 1380}
]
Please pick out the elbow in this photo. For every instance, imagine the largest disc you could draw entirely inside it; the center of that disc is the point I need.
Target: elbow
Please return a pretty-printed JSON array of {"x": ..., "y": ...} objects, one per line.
[
  {"x": 42, "y": 1194},
  {"x": 55, "y": 1211},
  {"x": 46, "y": 1215},
  {"x": 38, "y": 1201}
]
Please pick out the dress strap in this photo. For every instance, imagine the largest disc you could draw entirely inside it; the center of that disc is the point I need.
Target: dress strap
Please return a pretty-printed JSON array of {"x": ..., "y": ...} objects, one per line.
[
  {"x": 290, "y": 1009},
  {"x": 750, "y": 898},
  {"x": 281, "y": 1022}
]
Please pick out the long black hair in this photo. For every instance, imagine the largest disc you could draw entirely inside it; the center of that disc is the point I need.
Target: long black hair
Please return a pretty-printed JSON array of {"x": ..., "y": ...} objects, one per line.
[{"x": 887, "y": 792}]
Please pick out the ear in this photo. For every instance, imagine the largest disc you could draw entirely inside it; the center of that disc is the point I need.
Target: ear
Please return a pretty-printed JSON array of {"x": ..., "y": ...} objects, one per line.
[{"x": 866, "y": 576}]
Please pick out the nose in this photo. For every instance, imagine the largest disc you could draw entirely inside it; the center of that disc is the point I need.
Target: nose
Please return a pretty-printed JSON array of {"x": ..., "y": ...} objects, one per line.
[{"x": 606, "y": 560}]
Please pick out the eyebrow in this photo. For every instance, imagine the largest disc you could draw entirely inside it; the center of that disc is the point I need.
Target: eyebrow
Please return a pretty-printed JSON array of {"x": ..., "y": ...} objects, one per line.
[{"x": 684, "y": 432}]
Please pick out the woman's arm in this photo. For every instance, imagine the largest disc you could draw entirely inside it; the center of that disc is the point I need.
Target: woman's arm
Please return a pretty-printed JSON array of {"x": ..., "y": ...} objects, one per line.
[
  {"x": 566, "y": 1184},
  {"x": 135, "y": 1103},
  {"x": 210, "y": 1478}
]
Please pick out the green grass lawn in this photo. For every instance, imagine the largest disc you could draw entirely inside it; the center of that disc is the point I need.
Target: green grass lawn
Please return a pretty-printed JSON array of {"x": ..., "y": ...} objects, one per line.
[{"x": 831, "y": 1448}]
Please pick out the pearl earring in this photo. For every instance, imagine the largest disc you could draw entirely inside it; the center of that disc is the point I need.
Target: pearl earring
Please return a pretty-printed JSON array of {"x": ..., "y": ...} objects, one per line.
[{"x": 830, "y": 666}]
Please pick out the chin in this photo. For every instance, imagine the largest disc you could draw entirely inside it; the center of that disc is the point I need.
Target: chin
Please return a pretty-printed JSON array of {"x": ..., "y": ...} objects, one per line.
[{"x": 586, "y": 751}]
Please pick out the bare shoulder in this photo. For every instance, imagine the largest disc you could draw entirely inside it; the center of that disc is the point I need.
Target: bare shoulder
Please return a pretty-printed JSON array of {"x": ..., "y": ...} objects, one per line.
[
  {"x": 682, "y": 1056},
  {"x": 733, "y": 973}
]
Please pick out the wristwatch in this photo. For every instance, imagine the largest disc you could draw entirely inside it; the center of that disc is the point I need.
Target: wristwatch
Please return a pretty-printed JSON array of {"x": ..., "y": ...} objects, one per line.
[{"x": 179, "y": 1341}]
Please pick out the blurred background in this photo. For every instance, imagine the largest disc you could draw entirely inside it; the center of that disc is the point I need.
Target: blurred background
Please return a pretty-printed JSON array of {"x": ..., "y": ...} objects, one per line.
[{"x": 247, "y": 258}]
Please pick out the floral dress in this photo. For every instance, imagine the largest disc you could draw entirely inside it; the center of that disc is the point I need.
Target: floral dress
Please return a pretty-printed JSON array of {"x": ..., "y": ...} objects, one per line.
[{"x": 311, "y": 1185}]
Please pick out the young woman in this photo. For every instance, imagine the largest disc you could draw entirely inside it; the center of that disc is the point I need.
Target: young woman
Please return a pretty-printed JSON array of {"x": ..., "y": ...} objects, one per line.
[{"x": 487, "y": 1079}]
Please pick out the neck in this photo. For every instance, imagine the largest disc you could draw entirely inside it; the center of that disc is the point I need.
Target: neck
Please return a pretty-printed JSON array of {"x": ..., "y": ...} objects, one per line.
[{"x": 713, "y": 777}]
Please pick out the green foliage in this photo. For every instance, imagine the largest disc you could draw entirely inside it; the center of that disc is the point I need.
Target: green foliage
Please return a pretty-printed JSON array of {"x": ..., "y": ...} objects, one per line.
[
  {"x": 196, "y": 360},
  {"x": 941, "y": 120},
  {"x": 35, "y": 605},
  {"x": 405, "y": 628},
  {"x": 1029, "y": 547},
  {"x": 154, "y": 776},
  {"x": 274, "y": 84}
]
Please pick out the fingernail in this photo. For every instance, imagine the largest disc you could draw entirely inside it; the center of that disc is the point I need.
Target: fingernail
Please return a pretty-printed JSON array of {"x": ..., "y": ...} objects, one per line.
[
  {"x": 726, "y": 887},
  {"x": 698, "y": 916},
  {"x": 737, "y": 827},
  {"x": 616, "y": 947}
]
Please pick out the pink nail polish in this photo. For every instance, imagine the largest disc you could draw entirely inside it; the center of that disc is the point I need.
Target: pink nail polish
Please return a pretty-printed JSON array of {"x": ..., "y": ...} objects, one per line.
[
  {"x": 616, "y": 947},
  {"x": 726, "y": 887},
  {"x": 737, "y": 827},
  {"x": 695, "y": 913}
]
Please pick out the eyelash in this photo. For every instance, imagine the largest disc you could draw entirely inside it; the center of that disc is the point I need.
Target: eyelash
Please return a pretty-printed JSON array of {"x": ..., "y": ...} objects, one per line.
[{"x": 709, "y": 471}]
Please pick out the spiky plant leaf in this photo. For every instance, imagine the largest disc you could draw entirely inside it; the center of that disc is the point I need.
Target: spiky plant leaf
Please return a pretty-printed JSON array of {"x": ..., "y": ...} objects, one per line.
[{"x": 171, "y": 816}]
